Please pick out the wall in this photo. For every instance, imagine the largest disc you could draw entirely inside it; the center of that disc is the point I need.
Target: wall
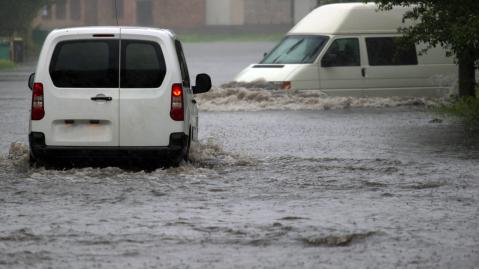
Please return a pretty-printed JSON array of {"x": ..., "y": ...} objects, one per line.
[
  {"x": 179, "y": 14},
  {"x": 268, "y": 12},
  {"x": 224, "y": 12}
]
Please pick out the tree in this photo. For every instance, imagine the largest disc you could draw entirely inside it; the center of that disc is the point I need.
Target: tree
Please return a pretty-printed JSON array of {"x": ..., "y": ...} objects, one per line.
[
  {"x": 453, "y": 24},
  {"x": 17, "y": 15}
]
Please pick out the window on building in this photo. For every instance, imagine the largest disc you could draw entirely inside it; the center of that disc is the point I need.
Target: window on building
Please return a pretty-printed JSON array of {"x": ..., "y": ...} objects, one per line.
[
  {"x": 47, "y": 12},
  {"x": 143, "y": 64},
  {"x": 390, "y": 51},
  {"x": 144, "y": 12},
  {"x": 60, "y": 9},
  {"x": 343, "y": 52},
  {"x": 75, "y": 9}
]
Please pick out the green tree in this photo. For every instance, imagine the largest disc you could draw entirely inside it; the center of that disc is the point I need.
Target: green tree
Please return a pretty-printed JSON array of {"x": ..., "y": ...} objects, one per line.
[
  {"x": 453, "y": 24},
  {"x": 17, "y": 15}
]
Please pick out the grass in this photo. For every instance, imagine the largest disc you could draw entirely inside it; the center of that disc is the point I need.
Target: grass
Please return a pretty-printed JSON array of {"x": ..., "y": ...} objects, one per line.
[
  {"x": 6, "y": 65},
  {"x": 465, "y": 109},
  {"x": 238, "y": 37}
]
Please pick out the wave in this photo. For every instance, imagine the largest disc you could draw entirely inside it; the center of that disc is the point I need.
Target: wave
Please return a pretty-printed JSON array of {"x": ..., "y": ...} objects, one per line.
[
  {"x": 259, "y": 97},
  {"x": 207, "y": 154}
]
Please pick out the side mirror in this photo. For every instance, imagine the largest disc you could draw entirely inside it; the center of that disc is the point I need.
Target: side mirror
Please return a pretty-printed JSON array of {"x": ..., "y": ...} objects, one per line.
[
  {"x": 31, "y": 80},
  {"x": 265, "y": 54},
  {"x": 328, "y": 60},
  {"x": 203, "y": 83}
]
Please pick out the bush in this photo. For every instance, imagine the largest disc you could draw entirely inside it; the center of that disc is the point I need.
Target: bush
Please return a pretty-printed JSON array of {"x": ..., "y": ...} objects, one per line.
[
  {"x": 465, "y": 109},
  {"x": 4, "y": 64}
]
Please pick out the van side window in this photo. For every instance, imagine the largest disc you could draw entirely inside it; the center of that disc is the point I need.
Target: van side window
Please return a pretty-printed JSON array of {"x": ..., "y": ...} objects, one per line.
[
  {"x": 143, "y": 64},
  {"x": 390, "y": 51},
  {"x": 343, "y": 52},
  {"x": 85, "y": 64},
  {"x": 184, "y": 68}
]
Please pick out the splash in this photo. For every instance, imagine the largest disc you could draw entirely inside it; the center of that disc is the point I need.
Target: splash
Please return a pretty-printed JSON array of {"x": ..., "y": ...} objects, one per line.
[
  {"x": 238, "y": 97},
  {"x": 339, "y": 240},
  {"x": 17, "y": 159},
  {"x": 206, "y": 154},
  {"x": 209, "y": 153}
]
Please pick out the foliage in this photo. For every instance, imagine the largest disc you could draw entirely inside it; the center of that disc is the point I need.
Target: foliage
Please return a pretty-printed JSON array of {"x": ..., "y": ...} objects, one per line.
[
  {"x": 6, "y": 65},
  {"x": 453, "y": 24},
  {"x": 465, "y": 109},
  {"x": 17, "y": 15}
]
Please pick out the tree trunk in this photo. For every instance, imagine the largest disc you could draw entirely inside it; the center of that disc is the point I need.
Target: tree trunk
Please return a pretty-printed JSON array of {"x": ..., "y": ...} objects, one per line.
[{"x": 467, "y": 74}]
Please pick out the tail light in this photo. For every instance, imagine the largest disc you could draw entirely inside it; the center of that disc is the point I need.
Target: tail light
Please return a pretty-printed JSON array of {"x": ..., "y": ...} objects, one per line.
[
  {"x": 38, "y": 110},
  {"x": 177, "y": 111}
]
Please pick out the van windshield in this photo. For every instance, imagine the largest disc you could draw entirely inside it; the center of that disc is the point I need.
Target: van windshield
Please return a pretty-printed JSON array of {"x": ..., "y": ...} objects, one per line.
[{"x": 296, "y": 49}]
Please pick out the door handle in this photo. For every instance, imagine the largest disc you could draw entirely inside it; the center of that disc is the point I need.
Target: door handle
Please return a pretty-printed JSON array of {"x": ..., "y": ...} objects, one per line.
[
  {"x": 363, "y": 72},
  {"x": 101, "y": 97}
]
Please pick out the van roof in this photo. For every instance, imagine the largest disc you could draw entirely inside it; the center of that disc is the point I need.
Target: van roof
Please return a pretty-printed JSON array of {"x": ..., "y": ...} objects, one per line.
[
  {"x": 111, "y": 29},
  {"x": 351, "y": 18}
]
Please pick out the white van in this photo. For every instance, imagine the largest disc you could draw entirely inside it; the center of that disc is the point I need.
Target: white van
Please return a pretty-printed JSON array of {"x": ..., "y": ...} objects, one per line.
[
  {"x": 354, "y": 50},
  {"x": 120, "y": 93}
]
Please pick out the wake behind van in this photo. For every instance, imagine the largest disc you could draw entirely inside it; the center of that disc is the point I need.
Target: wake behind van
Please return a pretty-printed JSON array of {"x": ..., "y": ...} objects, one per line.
[
  {"x": 354, "y": 50},
  {"x": 113, "y": 93}
]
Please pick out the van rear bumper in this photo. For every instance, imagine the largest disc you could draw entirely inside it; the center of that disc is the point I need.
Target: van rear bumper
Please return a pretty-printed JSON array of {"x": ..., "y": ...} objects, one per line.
[{"x": 101, "y": 156}]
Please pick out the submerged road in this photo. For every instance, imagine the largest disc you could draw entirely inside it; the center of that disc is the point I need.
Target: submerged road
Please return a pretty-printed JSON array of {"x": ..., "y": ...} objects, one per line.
[{"x": 354, "y": 187}]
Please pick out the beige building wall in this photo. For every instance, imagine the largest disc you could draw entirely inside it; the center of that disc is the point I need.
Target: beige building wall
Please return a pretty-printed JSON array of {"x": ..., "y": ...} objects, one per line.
[
  {"x": 270, "y": 12},
  {"x": 225, "y": 12},
  {"x": 302, "y": 8}
]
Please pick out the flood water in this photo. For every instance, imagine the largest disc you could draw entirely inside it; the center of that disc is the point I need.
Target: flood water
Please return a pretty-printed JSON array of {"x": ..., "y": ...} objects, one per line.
[{"x": 278, "y": 180}]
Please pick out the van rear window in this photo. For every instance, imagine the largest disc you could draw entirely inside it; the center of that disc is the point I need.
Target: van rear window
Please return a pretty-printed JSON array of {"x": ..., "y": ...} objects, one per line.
[
  {"x": 143, "y": 64},
  {"x": 85, "y": 64},
  {"x": 390, "y": 51}
]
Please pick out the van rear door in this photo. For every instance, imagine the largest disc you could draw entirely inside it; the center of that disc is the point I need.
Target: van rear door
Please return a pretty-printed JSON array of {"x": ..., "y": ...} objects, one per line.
[
  {"x": 82, "y": 97},
  {"x": 145, "y": 90}
]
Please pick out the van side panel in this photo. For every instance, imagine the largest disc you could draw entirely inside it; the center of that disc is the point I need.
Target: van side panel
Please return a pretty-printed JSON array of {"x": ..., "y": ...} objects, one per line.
[{"x": 433, "y": 75}]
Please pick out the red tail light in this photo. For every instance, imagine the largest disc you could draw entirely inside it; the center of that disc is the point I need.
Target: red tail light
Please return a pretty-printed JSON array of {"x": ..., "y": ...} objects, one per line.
[
  {"x": 177, "y": 111},
  {"x": 38, "y": 111}
]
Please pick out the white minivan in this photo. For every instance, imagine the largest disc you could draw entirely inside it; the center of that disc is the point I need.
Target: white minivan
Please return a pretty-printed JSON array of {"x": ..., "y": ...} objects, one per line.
[
  {"x": 119, "y": 93},
  {"x": 354, "y": 50}
]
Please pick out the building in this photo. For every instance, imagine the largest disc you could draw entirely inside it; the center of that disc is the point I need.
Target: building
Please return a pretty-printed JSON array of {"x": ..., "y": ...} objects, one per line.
[
  {"x": 160, "y": 13},
  {"x": 184, "y": 14}
]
